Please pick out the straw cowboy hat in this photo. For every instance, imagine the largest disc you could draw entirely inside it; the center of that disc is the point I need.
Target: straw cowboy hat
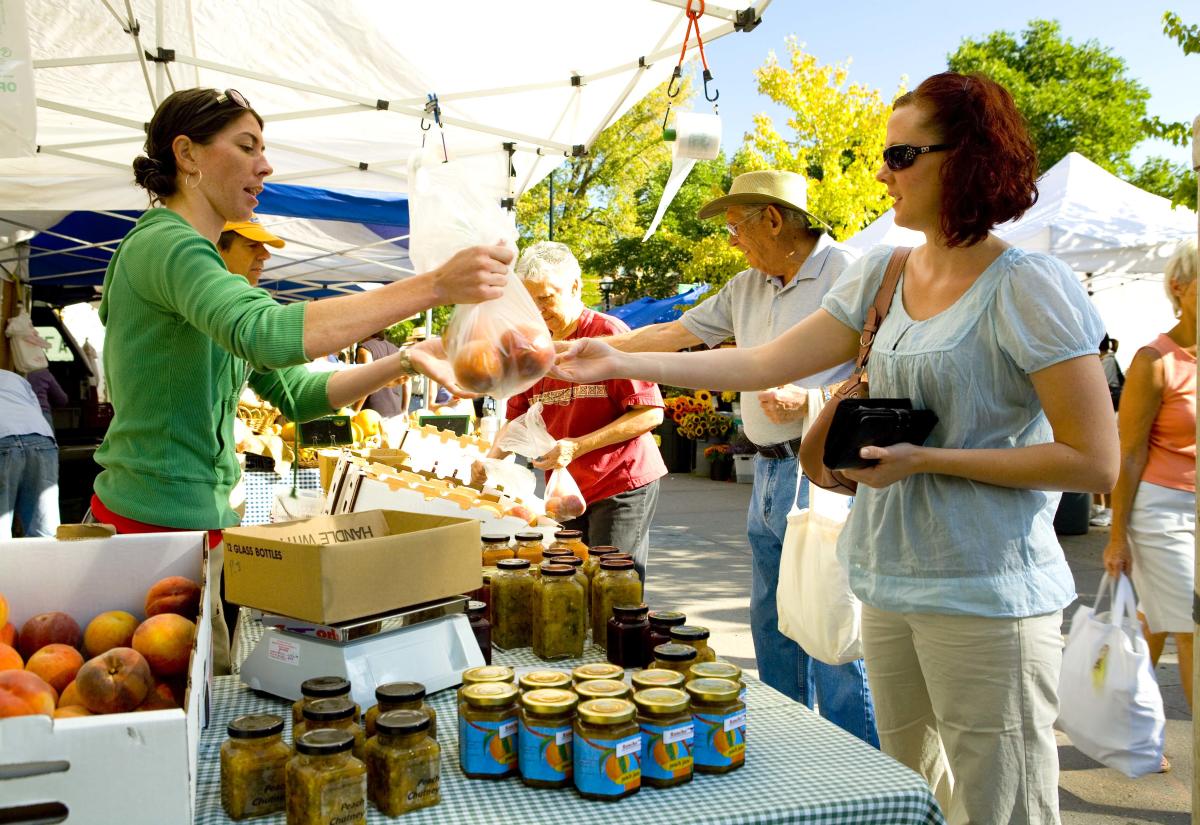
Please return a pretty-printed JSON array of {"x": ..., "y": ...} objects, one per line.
[{"x": 787, "y": 189}]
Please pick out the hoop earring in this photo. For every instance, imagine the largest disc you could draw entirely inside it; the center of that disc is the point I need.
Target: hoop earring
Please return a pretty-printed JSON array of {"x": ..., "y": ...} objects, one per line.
[{"x": 188, "y": 177}]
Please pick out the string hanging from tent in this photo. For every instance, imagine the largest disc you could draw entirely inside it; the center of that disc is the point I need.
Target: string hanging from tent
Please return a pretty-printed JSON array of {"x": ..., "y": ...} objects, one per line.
[
  {"x": 674, "y": 86},
  {"x": 434, "y": 109}
]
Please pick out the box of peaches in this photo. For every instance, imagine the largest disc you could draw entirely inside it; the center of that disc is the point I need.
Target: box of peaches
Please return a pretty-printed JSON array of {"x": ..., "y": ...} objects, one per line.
[{"x": 104, "y": 668}]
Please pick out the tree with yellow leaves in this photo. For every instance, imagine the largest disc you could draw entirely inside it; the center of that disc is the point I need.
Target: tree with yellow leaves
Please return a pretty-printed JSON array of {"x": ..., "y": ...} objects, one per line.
[{"x": 834, "y": 137}]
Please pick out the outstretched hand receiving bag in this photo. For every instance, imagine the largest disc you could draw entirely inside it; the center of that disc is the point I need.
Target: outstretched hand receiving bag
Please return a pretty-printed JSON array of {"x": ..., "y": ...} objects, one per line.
[
  {"x": 564, "y": 501},
  {"x": 499, "y": 347}
]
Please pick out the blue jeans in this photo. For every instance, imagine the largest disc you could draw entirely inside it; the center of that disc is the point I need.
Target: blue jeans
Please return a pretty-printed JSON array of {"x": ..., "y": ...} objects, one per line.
[
  {"x": 29, "y": 484},
  {"x": 840, "y": 691}
]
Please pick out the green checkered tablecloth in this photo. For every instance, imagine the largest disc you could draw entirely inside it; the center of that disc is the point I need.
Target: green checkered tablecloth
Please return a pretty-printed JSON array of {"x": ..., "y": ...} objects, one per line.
[{"x": 799, "y": 768}]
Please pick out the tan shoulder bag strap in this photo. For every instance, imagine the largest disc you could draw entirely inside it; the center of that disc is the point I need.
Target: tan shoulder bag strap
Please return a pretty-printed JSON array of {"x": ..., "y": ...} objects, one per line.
[{"x": 879, "y": 308}]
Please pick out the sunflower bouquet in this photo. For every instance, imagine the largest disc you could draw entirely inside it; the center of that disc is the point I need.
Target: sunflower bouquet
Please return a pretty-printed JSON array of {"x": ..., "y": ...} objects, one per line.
[{"x": 695, "y": 416}]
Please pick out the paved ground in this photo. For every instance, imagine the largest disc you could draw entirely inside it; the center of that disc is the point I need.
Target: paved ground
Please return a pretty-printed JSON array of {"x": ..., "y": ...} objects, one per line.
[{"x": 700, "y": 564}]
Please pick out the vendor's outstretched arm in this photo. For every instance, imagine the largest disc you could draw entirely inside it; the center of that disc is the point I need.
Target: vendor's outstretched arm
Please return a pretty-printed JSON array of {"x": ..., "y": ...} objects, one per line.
[
  {"x": 817, "y": 343},
  {"x": 670, "y": 336}
]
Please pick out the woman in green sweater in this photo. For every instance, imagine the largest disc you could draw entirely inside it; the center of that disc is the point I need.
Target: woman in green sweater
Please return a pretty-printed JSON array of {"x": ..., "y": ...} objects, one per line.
[{"x": 184, "y": 334}]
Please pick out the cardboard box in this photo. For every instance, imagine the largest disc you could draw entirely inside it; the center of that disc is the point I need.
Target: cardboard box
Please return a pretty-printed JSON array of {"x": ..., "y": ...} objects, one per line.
[
  {"x": 336, "y": 568},
  {"x": 126, "y": 767}
]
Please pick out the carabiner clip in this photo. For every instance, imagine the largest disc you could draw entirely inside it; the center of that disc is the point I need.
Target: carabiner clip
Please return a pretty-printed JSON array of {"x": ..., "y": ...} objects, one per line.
[{"x": 716, "y": 93}]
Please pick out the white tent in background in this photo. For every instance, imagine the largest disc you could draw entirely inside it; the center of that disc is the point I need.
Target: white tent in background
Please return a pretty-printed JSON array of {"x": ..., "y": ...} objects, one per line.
[{"x": 1116, "y": 236}]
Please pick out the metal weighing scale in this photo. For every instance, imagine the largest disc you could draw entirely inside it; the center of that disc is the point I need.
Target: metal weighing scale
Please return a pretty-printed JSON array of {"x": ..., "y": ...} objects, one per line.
[{"x": 430, "y": 643}]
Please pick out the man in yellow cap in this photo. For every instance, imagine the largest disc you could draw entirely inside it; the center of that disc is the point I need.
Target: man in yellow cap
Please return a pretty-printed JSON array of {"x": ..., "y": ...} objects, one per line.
[{"x": 243, "y": 248}]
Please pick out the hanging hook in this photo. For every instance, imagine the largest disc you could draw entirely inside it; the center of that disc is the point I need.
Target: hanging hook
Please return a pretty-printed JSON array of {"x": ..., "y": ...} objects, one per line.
[
  {"x": 675, "y": 86},
  {"x": 716, "y": 92}
]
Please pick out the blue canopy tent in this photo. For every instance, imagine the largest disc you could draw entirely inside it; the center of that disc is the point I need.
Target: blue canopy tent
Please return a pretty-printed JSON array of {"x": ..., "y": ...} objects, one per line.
[{"x": 646, "y": 311}]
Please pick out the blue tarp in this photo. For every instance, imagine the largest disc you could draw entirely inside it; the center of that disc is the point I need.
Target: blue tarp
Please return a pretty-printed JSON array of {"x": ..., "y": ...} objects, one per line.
[{"x": 646, "y": 311}]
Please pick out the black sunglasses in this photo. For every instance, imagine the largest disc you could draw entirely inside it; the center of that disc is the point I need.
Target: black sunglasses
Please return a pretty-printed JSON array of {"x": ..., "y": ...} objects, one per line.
[{"x": 902, "y": 156}]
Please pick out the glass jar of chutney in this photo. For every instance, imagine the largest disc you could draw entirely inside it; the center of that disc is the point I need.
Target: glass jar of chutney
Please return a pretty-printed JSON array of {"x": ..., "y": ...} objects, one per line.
[
  {"x": 603, "y": 689},
  {"x": 571, "y": 540},
  {"x": 403, "y": 763},
  {"x": 676, "y": 657},
  {"x": 512, "y": 605},
  {"x": 719, "y": 670},
  {"x": 597, "y": 670},
  {"x": 665, "y": 718},
  {"x": 253, "y": 759},
  {"x": 559, "y": 624},
  {"x": 577, "y": 564},
  {"x": 653, "y": 677},
  {"x": 487, "y": 744},
  {"x": 607, "y": 749},
  {"x": 325, "y": 782},
  {"x": 542, "y": 680},
  {"x": 547, "y": 717},
  {"x": 591, "y": 565},
  {"x": 661, "y": 622},
  {"x": 626, "y": 635},
  {"x": 481, "y": 628},
  {"x": 720, "y": 719},
  {"x": 336, "y": 713},
  {"x": 616, "y": 583},
  {"x": 496, "y": 546},
  {"x": 400, "y": 696},
  {"x": 697, "y": 637},
  {"x": 552, "y": 553},
  {"x": 321, "y": 687},
  {"x": 529, "y": 546}
]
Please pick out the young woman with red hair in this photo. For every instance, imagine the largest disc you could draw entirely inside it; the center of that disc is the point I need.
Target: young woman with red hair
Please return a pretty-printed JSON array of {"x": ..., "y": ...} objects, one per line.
[{"x": 951, "y": 545}]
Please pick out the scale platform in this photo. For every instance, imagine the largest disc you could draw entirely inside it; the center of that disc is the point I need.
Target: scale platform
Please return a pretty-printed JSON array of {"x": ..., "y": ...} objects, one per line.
[{"x": 429, "y": 643}]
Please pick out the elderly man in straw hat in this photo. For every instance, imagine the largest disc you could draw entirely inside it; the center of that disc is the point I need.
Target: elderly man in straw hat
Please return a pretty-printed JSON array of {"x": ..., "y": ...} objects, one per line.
[{"x": 793, "y": 263}]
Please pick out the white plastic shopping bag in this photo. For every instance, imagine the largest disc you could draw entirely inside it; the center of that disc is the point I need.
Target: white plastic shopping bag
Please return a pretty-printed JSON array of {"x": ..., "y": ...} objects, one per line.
[
  {"x": 816, "y": 607},
  {"x": 1109, "y": 702},
  {"x": 527, "y": 435}
]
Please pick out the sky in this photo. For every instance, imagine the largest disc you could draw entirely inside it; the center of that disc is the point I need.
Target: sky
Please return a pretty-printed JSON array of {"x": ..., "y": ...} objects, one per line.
[{"x": 887, "y": 40}]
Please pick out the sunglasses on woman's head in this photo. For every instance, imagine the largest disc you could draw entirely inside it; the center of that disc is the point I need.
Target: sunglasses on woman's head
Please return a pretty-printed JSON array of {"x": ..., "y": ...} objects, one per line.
[
  {"x": 228, "y": 95},
  {"x": 902, "y": 156}
]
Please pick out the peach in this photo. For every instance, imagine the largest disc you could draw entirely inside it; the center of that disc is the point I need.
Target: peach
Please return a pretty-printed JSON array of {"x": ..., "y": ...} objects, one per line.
[
  {"x": 48, "y": 629},
  {"x": 166, "y": 642},
  {"x": 71, "y": 712},
  {"x": 108, "y": 630},
  {"x": 3, "y": 610},
  {"x": 24, "y": 694},
  {"x": 56, "y": 664},
  {"x": 477, "y": 366},
  {"x": 8, "y": 635},
  {"x": 114, "y": 682},
  {"x": 174, "y": 594},
  {"x": 10, "y": 659},
  {"x": 69, "y": 696},
  {"x": 160, "y": 698}
]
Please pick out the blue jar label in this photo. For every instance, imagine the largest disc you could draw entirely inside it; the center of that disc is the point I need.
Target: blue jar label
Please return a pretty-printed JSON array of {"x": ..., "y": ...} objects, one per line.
[
  {"x": 667, "y": 750},
  {"x": 488, "y": 748},
  {"x": 545, "y": 752},
  {"x": 608, "y": 767},
  {"x": 720, "y": 739}
]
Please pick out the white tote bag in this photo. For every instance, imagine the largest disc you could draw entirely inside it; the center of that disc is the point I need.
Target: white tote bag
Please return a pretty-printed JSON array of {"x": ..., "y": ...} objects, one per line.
[
  {"x": 816, "y": 607},
  {"x": 1109, "y": 703}
]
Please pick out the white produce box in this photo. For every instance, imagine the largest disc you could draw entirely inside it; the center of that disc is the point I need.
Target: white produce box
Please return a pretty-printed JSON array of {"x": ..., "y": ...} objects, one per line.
[{"x": 129, "y": 767}]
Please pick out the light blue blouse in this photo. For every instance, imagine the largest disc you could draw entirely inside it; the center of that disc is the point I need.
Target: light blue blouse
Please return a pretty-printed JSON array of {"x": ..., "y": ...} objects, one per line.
[{"x": 940, "y": 544}]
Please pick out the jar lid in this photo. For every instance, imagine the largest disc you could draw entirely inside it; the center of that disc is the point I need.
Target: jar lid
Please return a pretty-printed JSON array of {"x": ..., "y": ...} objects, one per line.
[
  {"x": 603, "y": 550},
  {"x": 402, "y": 722},
  {"x": 568, "y": 535},
  {"x": 487, "y": 673},
  {"x": 538, "y": 679},
  {"x": 630, "y": 612},
  {"x": 689, "y": 633},
  {"x": 475, "y": 608},
  {"x": 666, "y": 618},
  {"x": 656, "y": 677},
  {"x": 332, "y": 709},
  {"x": 556, "y": 552},
  {"x": 255, "y": 726},
  {"x": 602, "y": 689},
  {"x": 661, "y": 700},
  {"x": 550, "y": 701},
  {"x": 490, "y": 694},
  {"x": 321, "y": 687},
  {"x": 609, "y": 563},
  {"x": 400, "y": 692},
  {"x": 513, "y": 564},
  {"x": 597, "y": 670},
  {"x": 671, "y": 652},
  {"x": 713, "y": 690},
  {"x": 549, "y": 569},
  {"x": 495, "y": 538},
  {"x": 571, "y": 560},
  {"x": 715, "y": 670},
  {"x": 606, "y": 711},
  {"x": 325, "y": 742},
  {"x": 529, "y": 535}
]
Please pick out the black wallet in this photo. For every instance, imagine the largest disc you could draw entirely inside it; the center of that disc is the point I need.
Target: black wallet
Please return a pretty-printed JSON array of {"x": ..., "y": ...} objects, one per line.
[{"x": 873, "y": 422}]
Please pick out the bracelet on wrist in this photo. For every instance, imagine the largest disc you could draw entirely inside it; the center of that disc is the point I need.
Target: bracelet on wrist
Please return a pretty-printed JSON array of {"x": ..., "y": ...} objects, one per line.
[{"x": 406, "y": 364}]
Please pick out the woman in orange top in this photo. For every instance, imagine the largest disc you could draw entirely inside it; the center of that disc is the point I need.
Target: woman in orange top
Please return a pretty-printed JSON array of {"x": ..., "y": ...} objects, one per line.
[{"x": 1154, "y": 502}]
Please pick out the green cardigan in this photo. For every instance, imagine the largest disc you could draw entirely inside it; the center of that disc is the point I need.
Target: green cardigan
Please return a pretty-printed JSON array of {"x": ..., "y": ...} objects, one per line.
[{"x": 182, "y": 335}]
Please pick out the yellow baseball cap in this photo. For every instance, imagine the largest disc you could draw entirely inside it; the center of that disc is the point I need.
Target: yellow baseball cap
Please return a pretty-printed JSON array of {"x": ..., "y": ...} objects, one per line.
[{"x": 254, "y": 231}]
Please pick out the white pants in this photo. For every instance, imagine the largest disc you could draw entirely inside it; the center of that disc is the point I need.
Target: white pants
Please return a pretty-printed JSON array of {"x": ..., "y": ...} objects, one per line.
[{"x": 969, "y": 703}]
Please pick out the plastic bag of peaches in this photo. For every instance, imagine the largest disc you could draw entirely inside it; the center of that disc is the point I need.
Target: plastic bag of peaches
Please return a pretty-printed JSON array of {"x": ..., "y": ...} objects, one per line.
[
  {"x": 527, "y": 435},
  {"x": 499, "y": 347}
]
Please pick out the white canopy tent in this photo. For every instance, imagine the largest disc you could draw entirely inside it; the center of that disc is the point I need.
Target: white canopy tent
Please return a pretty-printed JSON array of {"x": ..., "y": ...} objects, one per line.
[
  {"x": 1115, "y": 235},
  {"x": 343, "y": 86}
]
